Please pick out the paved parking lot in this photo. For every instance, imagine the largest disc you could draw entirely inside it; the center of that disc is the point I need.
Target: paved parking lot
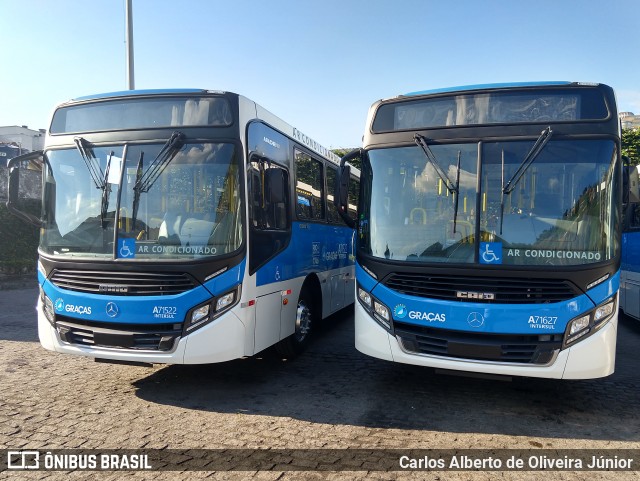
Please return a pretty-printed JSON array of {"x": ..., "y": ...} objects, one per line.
[{"x": 331, "y": 397}]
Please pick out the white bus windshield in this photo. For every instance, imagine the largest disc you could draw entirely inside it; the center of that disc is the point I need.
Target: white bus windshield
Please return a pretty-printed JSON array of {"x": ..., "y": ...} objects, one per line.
[
  {"x": 192, "y": 209},
  {"x": 558, "y": 213}
]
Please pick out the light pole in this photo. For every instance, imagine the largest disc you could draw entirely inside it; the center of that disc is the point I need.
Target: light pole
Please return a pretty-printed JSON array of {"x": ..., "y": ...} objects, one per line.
[{"x": 129, "y": 42}]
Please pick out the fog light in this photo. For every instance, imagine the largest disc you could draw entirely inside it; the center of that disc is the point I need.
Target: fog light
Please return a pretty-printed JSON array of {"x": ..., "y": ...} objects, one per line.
[
  {"x": 364, "y": 297},
  {"x": 225, "y": 300}
]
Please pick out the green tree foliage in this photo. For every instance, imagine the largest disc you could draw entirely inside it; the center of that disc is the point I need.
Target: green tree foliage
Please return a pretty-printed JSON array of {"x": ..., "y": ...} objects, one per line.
[
  {"x": 357, "y": 162},
  {"x": 631, "y": 145},
  {"x": 18, "y": 244}
]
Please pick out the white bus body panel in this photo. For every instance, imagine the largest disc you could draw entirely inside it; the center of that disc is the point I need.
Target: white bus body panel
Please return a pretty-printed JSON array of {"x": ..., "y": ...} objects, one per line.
[
  {"x": 222, "y": 340},
  {"x": 591, "y": 358}
]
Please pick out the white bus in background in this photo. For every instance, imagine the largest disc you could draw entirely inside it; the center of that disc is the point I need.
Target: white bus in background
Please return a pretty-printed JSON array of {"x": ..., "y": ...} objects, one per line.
[{"x": 183, "y": 226}]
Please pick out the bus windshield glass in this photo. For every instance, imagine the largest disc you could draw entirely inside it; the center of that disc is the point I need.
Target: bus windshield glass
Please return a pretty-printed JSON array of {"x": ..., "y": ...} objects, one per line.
[
  {"x": 142, "y": 113},
  {"x": 499, "y": 107},
  {"x": 557, "y": 213},
  {"x": 107, "y": 205}
]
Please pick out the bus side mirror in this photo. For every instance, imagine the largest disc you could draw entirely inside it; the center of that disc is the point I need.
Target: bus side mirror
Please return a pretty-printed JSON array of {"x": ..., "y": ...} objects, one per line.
[
  {"x": 342, "y": 187},
  {"x": 24, "y": 195},
  {"x": 276, "y": 185},
  {"x": 626, "y": 175}
]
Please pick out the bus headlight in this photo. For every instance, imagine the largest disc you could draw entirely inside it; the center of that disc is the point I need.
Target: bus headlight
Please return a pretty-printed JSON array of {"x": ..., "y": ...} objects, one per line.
[
  {"x": 212, "y": 309},
  {"x": 47, "y": 307},
  {"x": 603, "y": 312},
  {"x": 590, "y": 322},
  {"x": 375, "y": 308},
  {"x": 364, "y": 297},
  {"x": 578, "y": 328},
  {"x": 225, "y": 301},
  {"x": 381, "y": 311},
  {"x": 199, "y": 314}
]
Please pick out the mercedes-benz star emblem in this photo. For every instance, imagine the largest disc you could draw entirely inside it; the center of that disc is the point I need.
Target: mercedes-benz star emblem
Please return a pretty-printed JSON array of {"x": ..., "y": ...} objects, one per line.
[
  {"x": 475, "y": 319},
  {"x": 112, "y": 309}
]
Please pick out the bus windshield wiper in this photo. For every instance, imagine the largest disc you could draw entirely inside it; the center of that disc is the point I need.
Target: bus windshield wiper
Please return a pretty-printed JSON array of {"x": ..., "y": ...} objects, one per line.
[
  {"x": 451, "y": 187},
  {"x": 106, "y": 191},
  {"x": 162, "y": 160},
  {"x": 539, "y": 144},
  {"x": 455, "y": 208},
  {"x": 422, "y": 143},
  {"x": 136, "y": 191},
  {"x": 86, "y": 152},
  {"x": 528, "y": 160},
  {"x": 100, "y": 179}
]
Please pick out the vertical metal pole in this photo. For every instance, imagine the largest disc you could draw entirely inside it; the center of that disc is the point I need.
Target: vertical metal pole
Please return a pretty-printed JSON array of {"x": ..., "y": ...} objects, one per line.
[{"x": 129, "y": 42}]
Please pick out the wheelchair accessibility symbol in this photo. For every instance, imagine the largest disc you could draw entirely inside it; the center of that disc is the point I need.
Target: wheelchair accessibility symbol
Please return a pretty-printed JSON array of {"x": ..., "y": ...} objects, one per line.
[
  {"x": 490, "y": 252},
  {"x": 126, "y": 248}
]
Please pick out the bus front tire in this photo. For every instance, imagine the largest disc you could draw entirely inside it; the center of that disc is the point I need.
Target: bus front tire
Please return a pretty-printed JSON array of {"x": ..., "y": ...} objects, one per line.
[{"x": 305, "y": 317}]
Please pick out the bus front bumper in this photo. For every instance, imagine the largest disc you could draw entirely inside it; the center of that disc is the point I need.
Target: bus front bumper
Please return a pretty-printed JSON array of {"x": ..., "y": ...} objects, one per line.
[
  {"x": 222, "y": 340},
  {"x": 592, "y": 357}
]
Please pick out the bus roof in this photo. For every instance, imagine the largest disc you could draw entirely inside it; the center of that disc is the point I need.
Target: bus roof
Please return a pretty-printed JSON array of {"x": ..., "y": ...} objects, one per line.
[
  {"x": 488, "y": 86},
  {"x": 127, "y": 93}
]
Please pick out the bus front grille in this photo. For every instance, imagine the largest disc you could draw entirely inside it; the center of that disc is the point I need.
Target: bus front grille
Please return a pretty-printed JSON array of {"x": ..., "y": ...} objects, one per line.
[
  {"x": 508, "y": 348},
  {"x": 482, "y": 289},
  {"x": 123, "y": 283},
  {"x": 139, "y": 337}
]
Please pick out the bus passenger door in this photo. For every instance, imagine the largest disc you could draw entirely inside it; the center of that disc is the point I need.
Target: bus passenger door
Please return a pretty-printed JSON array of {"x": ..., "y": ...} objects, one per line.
[{"x": 269, "y": 235}]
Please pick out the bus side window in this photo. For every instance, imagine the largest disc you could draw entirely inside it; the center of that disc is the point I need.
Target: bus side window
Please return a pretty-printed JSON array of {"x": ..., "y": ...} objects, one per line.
[
  {"x": 276, "y": 182},
  {"x": 268, "y": 196},
  {"x": 269, "y": 211},
  {"x": 309, "y": 187},
  {"x": 332, "y": 211}
]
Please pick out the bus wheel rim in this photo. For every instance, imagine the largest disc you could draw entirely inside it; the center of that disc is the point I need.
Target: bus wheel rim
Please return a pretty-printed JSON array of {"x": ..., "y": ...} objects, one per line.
[{"x": 303, "y": 321}]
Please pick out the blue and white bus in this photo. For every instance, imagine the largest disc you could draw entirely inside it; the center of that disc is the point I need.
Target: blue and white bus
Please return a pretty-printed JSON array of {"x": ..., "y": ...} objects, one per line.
[
  {"x": 183, "y": 226},
  {"x": 630, "y": 271},
  {"x": 488, "y": 232}
]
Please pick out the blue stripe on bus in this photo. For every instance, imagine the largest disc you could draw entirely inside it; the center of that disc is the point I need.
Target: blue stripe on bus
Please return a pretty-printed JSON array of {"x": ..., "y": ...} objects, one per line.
[
  {"x": 485, "y": 86},
  {"x": 139, "y": 309},
  {"x": 489, "y": 318},
  {"x": 227, "y": 280},
  {"x": 129, "y": 93},
  {"x": 313, "y": 248}
]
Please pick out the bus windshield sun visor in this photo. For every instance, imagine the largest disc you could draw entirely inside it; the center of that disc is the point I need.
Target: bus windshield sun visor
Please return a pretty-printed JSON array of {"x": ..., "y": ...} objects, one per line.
[{"x": 451, "y": 187}]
